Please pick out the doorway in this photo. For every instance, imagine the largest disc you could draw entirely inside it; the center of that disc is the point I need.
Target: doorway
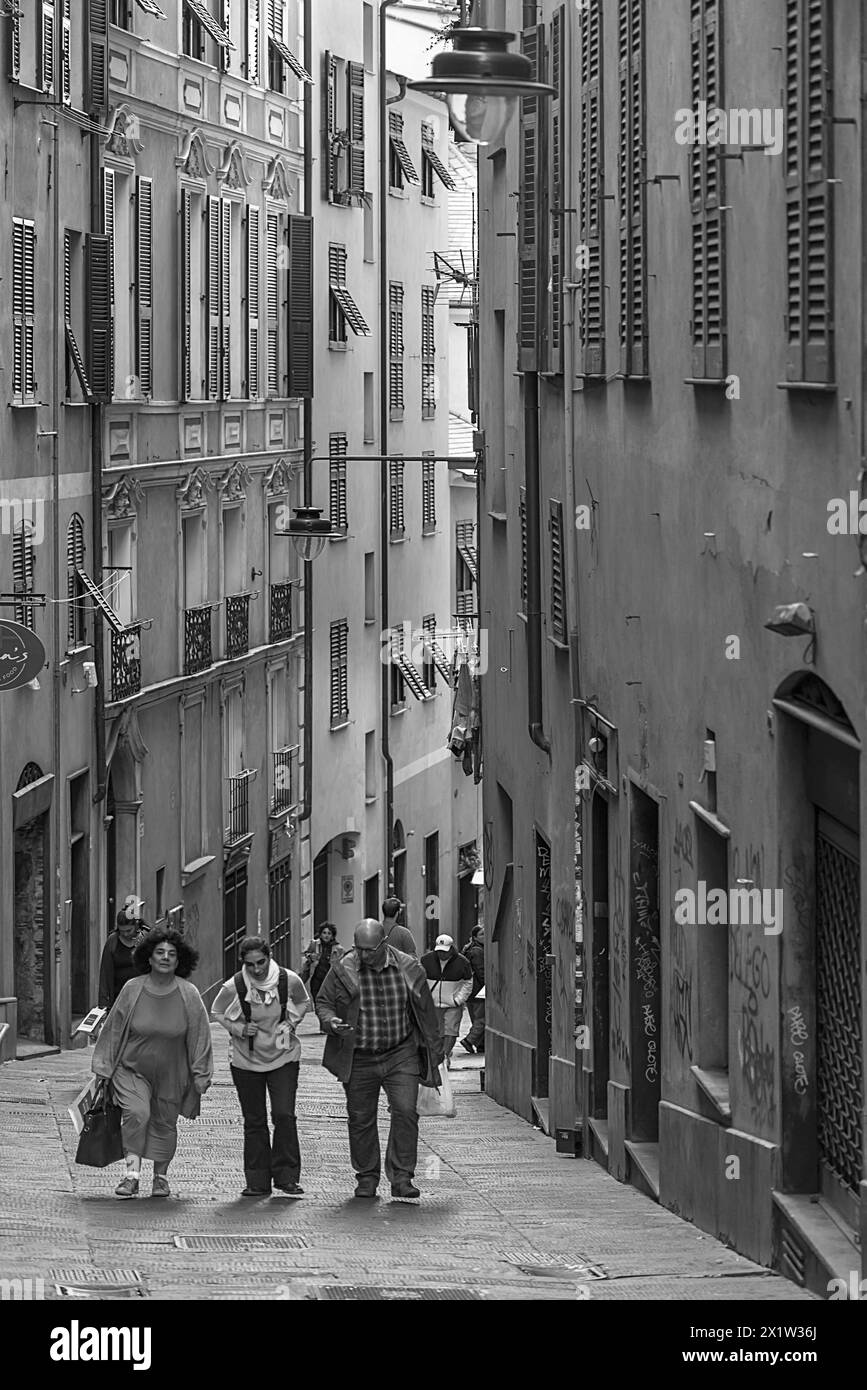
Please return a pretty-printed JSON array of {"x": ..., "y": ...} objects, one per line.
[
  {"x": 600, "y": 974},
  {"x": 234, "y": 916},
  {"x": 320, "y": 889},
  {"x": 32, "y": 953},
  {"x": 279, "y": 912},
  {"x": 431, "y": 902},
  {"x": 644, "y": 966},
  {"x": 372, "y": 904},
  {"x": 79, "y": 893},
  {"x": 544, "y": 966}
]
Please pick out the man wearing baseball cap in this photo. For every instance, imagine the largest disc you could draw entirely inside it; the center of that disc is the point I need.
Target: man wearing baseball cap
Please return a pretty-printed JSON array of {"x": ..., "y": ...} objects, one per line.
[{"x": 450, "y": 980}]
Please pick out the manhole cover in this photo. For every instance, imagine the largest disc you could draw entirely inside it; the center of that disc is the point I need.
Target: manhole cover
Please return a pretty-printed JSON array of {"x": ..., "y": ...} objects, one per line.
[
  {"x": 97, "y": 1283},
  {"x": 230, "y": 1244},
  {"x": 22, "y": 1100},
  {"x": 361, "y": 1292}
]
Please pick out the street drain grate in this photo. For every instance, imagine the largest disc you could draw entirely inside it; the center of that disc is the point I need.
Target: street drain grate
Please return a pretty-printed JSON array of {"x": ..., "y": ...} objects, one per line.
[
  {"x": 552, "y": 1264},
  {"x": 363, "y": 1293},
  {"x": 229, "y": 1245},
  {"x": 97, "y": 1283}
]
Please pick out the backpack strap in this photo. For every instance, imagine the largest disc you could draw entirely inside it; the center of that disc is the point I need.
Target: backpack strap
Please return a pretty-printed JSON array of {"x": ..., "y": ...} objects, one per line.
[
  {"x": 241, "y": 988},
  {"x": 283, "y": 992}
]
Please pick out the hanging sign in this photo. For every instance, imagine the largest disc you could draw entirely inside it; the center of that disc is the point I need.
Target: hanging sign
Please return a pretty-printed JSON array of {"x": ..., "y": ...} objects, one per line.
[{"x": 22, "y": 655}]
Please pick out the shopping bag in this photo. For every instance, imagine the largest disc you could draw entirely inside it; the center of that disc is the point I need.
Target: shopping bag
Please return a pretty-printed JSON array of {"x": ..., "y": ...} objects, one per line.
[
  {"x": 437, "y": 1100},
  {"x": 100, "y": 1142}
]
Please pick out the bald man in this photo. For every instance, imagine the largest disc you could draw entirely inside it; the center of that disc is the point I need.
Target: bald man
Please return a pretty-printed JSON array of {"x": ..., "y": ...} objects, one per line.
[{"x": 377, "y": 1010}]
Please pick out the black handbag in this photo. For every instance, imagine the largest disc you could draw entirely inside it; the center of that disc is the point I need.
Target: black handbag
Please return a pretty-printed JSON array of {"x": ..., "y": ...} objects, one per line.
[{"x": 99, "y": 1142}]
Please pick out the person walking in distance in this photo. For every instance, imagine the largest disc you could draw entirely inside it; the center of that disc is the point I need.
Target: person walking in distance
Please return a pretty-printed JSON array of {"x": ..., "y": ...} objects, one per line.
[
  {"x": 450, "y": 980},
  {"x": 318, "y": 958},
  {"x": 475, "y": 954},
  {"x": 401, "y": 938},
  {"x": 259, "y": 1008},
  {"x": 116, "y": 965},
  {"x": 383, "y": 1035}
]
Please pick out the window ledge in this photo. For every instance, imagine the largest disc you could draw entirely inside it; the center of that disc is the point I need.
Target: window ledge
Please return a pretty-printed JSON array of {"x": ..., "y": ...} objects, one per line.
[
  {"x": 369, "y": 622},
  {"x": 190, "y": 872},
  {"x": 714, "y": 1082},
  {"x": 710, "y": 819},
  {"x": 398, "y": 193},
  {"x": 502, "y": 517},
  {"x": 629, "y": 379},
  {"x": 397, "y": 540},
  {"x": 25, "y": 405},
  {"x": 231, "y": 847},
  {"x": 559, "y": 645},
  {"x": 429, "y": 530},
  {"x": 369, "y": 800},
  {"x": 399, "y": 709},
  {"x": 718, "y": 382},
  {"x": 592, "y": 378},
  {"x": 75, "y": 405},
  {"x": 395, "y": 415},
  {"x": 336, "y": 347},
  {"x": 825, "y": 388},
  {"x": 343, "y": 724},
  {"x": 427, "y": 202},
  {"x": 522, "y": 616},
  {"x": 340, "y": 536}
]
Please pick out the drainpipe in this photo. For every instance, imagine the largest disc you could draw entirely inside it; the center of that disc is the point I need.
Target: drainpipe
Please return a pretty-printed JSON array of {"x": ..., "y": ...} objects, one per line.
[
  {"x": 96, "y": 421},
  {"x": 862, "y": 482},
  {"x": 306, "y": 807},
  {"x": 383, "y": 428},
  {"x": 57, "y": 809}
]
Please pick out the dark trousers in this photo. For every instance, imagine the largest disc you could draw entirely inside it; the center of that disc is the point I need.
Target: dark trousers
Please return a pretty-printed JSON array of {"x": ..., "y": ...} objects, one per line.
[
  {"x": 267, "y": 1159},
  {"x": 396, "y": 1072},
  {"x": 476, "y": 1010}
]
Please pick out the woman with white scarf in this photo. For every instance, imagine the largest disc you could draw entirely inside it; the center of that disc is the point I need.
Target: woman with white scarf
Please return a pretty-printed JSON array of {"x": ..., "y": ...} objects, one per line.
[{"x": 264, "y": 1057}]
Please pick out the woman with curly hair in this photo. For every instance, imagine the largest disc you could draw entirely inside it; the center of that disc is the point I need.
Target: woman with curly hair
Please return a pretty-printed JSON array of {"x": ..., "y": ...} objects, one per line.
[{"x": 156, "y": 1048}]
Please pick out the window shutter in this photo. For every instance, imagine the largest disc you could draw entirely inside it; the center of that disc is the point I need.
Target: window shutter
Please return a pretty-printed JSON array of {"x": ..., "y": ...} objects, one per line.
[
  {"x": 23, "y": 309},
  {"x": 395, "y": 347},
  {"x": 818, "y": 214},
  {"x": 99, "y": 317},
  {"x": 108, "y": 191},
  {"x": 592, "y": 340},
  {"x": 428, "y": 353},
  {"x": 252, "y": 302},
  {"x": 556, "y": 185},
  {"x": 15, "y": 45},
  {"x": 339, "y": 671},
  {"x": 707, "y": 194},
  {"x": 73, "y": 352},
  {"x": 226, "y": 297},
  {"x": 356, "y": 126},
  {"x": 74, "y": 562},
  {"x": 532, "y": 44},
  {"x": 97, "y": 73},
  {"x": 522, "y": 509},
  {"x": 66, "y": 51},
  {"x": 272, "y": 297},
  {"x": 337, "y": 449},
  {"x": 22, "y": 573},
  {"x": 300, "y": 306},
  {"x": 558, "y": 581},
  {"x": 214, "y": 299},
  {"x": 633, "y": 269},
  {"x": 144, "y": 284},
  {"x": 329, "y": 123},
  {"x": 186, "y": 295},
  {"x": 47, "y": 52},
  {"x": 254, "y": 38},
  {"x": 428, "y": 496}
]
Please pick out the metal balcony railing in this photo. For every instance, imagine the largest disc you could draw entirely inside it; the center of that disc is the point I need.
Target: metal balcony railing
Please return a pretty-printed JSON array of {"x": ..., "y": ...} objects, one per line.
[
  {"x": 126, "y": 662},
  {"x": 237, "y": 624},
  {"x": 197, "y": 639},
  {"x": 281, "y": 611},
  {"x": 239, "y": 807},
  {"x": 283, "y": 795}
]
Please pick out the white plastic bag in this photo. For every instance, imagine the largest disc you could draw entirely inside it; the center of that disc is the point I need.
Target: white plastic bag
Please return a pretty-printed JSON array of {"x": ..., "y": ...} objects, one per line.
[{"x": 437, "y": 1100}]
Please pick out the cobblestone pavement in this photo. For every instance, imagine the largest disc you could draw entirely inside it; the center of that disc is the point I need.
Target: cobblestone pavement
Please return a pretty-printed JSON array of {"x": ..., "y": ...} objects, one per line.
[{"x": 502, "y": 1216}]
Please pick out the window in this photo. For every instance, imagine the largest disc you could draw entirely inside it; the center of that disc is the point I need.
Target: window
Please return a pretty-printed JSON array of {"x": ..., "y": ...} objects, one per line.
[
  {"x": 47, "y": 32},
  {"x": 281, "y": 59},
  {"x": 552, "y": 330},
  {"x": 160, "y": 893},
  {"x": 432, "y": 167},
  {"x": 707, "y": 192},
  {"x": 223, "y": 298},
  {"x": 367, "y": 29},
  {"x": 233, "y": 549},
  {"x": 300, "y": 306},
  {"x": 199, "y": 22},
  {"x": 369, "y": 409},
  {"x": 274, "y": 239},
  {"x": 337, "y": 483},
  {"x": 73, "y": 312},
  {"x": 634, "y": 335},
  {"x": 343, "y": 310},
  {"x": 428, "y": 497},
  {"x": 23, "y": 311},
  {"x": 400, "y": 167},
  {"x": 193, "y": 296},
  {"x": 810, "y": 192},
  {"x": 370, "y": 587},
  {"x": 254, "y": 39},
  {"x": 396, "y": 527},
  {"x": 429, "y": 388},
  {"x": 120, "y": 572},
  {"x": 15, "y": 45},
  {"x": 252, "y": 297},
  {"x": 144, "y": 286},
  {"x": 195, "y": 560},
  {"x": 66, "y": 51},
  {"x": 591, "y": 205},
  {"x": 395, "y": 351},
  {"x": 119, "y": 13},
  {"x": 370, "y": 765},
  {"x": 22, "y": 573},
  {"x": 558, "y": 581},
  {"x": 431, "y": 905},
  {"x": 75, "y": 625},
  {"x": 531, "y": 225},
  {"x": 192, "y": 761},
  {"x": 428, "y": 669},
  {"x": 339, "y": 672},
  {"x": 99, "y": 315},
  {"x": 398, "y": 690},
  {"x": 123, "y": 283},
  {"x": 466, "y": 568},
  {"x": 343, "y": 132}
]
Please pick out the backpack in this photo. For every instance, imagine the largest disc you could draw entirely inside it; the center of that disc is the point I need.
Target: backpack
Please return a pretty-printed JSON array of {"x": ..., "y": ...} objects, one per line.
[{"x": 282, "y": 994}]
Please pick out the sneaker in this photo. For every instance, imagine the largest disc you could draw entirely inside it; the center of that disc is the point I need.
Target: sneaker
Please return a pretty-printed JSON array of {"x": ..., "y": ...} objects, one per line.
[
  {"x": 467, "y": 1046},
  {"x": 405, "y": 1190},
  {"x": 256, "y": 1192},
  {"x": 160, "y": 1186},
  {"x": 127, "y": 1187},
  {"x": 289, "y": 1189}
]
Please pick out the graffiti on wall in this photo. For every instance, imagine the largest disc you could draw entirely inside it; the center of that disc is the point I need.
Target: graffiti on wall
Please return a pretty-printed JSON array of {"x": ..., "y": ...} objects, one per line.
[
  {"x": 681, "y": 991},
  {"x": 619, "y": 961},
  {"x": 751, "y": 970},
  {"x": 683, "y": 843},
  {"x": 646, "y": 958}
]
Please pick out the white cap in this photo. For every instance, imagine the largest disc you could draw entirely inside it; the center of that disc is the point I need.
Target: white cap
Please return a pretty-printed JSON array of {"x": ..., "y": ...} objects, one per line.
[{"x": 443, "y": 943}]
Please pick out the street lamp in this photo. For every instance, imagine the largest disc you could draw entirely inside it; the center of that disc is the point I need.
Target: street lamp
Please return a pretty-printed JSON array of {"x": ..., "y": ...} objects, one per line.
[
  {"x": 482, "y": 81},
  {"x": 309, "y": 531}
]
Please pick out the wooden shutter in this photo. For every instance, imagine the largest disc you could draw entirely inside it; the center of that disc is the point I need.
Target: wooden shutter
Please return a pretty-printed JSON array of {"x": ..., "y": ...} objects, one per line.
[
  {"x": 337, "y": 449},
  {"x": 339, "y": 671},
  {"x": 66, "y": 52},
  {"x": 593, "y": 304},
  {"x": 254, "y": 38},
  {"x": 395, "y": 347},
  {"x": 329, "y": 125},
  {"x": 428, "y": 496},
  {"x": 97, "y": 69},
  {"x": 396, "y": 498},
  {"x": 558, "y": 578},
  {"x": 47, "y": 45},
  {"x": 529, "y": 231},
  {"x": 707, "y": 174},
  {"x": 144, "y": 285},
  {"x": 186, "y": 295},
  {"x": 428, "y": 353},
  {"x": 23, "y": 309},
  {"x": 213, "y": 299},
  {"x": 15, "y": 46},
  {"x": 522, "y": 510},
  {"x": 99, "y": 317},
  {"x": 22, "y": 573},
  {"x": 356, "y": 126},
  {"x": 556, "y": 187},
  {"x": 272, "y": 242},
  {"x": 108, "y": 200},
  {"x": 74, "y": 593},
  {"x": 300, "y": 306},
  {"x": 633, "y": 238},
  {"x": 252, "y": 302},
  {"x": 226, "y": 297}
]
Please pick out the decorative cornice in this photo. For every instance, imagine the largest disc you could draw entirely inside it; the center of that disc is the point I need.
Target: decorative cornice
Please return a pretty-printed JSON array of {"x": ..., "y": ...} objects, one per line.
[
  {"x": 193, "y": 157},
  {"x": 232, "y": 485},
  {"x": 122, "y": 498},
  {"x": 280, "y": 477},
  {"x": 276, "y": 181},
  {"x": 125, "y": 128},
  {"x": 233, "y": 171},
  {"x": 191, "y": 492}
]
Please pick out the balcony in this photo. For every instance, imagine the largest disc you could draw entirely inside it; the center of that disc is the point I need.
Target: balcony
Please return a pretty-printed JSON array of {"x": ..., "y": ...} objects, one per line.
[
  {"x": 239, "y": 808},
  {"x": 237, "y": 625},
  {"x": 126, "y": 662},
  {"x": 197, "y": 639},
  {"x": 283, "y": 796},
  {"x": 281, "y": 611}
]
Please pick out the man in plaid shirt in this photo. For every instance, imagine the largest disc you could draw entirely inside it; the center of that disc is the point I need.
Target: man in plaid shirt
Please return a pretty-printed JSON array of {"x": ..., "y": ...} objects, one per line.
[{"x": 377, "y": 1010}]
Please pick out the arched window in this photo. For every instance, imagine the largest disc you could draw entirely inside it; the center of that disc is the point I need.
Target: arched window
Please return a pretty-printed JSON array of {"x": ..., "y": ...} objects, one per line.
[
  {"x": 22, "y": 571},
  {"x": 74, "y": 590},
  {"x": 31, "y": 773}
]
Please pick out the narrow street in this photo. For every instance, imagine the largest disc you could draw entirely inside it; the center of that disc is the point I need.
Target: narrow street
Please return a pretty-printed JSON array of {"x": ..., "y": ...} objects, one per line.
[{"x": 502, "y": 1216}]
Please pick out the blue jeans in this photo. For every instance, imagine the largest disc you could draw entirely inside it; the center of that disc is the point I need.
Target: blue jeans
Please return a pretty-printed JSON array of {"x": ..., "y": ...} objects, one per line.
[
  {"x": 396, "y": 1072},
  {"x": 267, "y": 1160}
]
